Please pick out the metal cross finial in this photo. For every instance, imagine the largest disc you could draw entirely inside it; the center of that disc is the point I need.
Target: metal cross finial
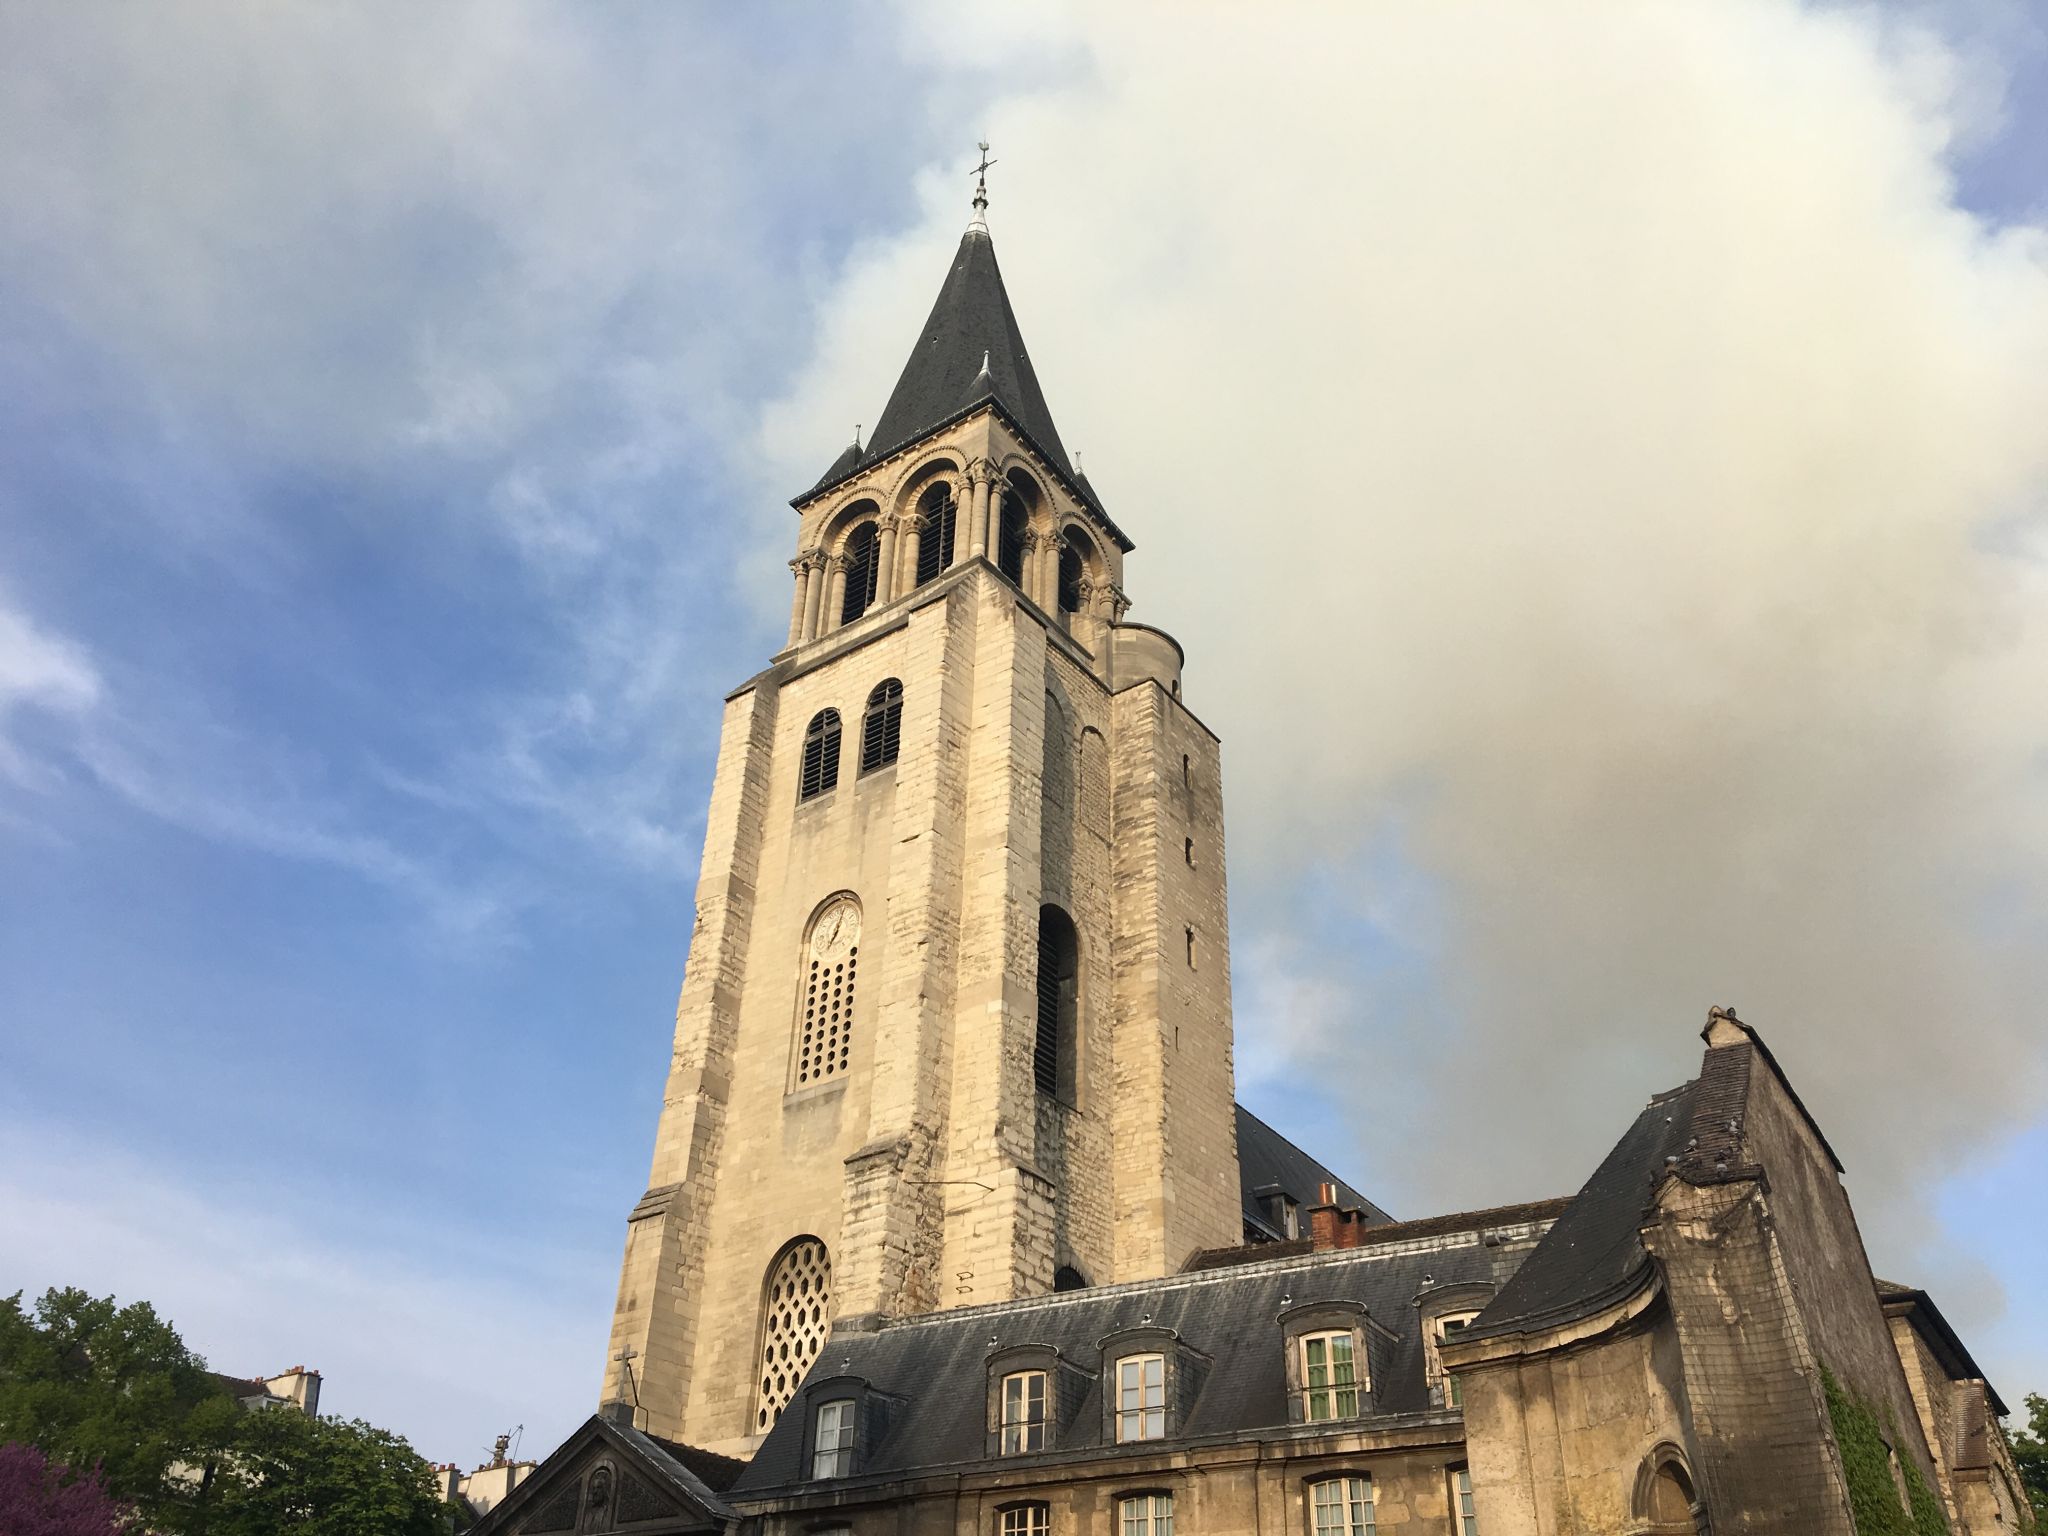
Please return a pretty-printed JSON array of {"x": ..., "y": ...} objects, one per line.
[{"x": 981, "y": 176}]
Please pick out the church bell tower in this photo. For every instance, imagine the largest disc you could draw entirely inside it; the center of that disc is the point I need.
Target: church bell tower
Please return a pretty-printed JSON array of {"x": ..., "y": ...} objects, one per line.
[{"x": 955, "y": 1026}]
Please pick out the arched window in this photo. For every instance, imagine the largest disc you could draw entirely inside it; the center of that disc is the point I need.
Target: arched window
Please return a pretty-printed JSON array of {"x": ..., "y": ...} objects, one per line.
[
  {"x": 1665, "y": 1500},
  {"x": 935, "y": 517},
  {"x": 1052, "y": 1054},
  {"x": 824, "y": 1031},
  {"x": 796, "y": 1314},
  {"x": 1070, "y": 577},
  {"x": 1010, "y": 537},
  {"x": 863, "y": 570},
  {"x": 821, "y": 755},
  {"x": 1068, "y": 1278},
  {"x": 881, "y": 725}
]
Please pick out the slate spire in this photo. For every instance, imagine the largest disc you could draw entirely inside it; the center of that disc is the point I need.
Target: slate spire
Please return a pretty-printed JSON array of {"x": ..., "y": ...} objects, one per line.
[{"x": 969, "y": 350}]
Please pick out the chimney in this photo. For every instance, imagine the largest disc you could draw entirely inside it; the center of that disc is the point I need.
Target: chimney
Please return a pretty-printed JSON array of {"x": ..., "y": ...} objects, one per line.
[{"x": 1331, "y": 1225}]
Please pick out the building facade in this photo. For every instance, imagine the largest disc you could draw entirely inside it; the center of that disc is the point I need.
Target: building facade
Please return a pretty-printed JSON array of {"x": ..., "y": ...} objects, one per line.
[{"x": 954, "y": 1227}]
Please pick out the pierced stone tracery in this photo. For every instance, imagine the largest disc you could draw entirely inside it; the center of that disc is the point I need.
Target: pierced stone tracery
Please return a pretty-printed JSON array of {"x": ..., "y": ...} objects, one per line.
[{"x": 796, "y": 1314}]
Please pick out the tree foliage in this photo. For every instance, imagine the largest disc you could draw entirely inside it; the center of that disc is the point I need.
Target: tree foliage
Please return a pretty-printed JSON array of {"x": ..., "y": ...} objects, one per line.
[
  {"x": 2030, "y": 1450},
  {"x": 40, "y": 1497},
  {"x": 113, "y": 1389}
]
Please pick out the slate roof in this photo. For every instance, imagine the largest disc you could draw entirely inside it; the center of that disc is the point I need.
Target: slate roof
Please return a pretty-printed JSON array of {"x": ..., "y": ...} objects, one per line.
[
  {"x": 935, "y": 1367},
  {"x": 1948, "y": 1347},
  {"x": 1266, "y": 1159},
  {"x": 1594, "y": 1255},
  {"x": 694, "y": 1479}
]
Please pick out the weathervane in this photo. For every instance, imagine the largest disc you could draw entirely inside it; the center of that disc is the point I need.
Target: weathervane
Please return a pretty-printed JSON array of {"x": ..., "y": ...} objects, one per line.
[{"x": 981, "y": 178}]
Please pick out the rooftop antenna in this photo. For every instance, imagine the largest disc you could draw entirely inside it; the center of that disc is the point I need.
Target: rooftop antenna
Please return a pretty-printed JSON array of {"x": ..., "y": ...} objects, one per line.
[
  {"x": 980, "y": 220},
  {"x": 856, "y": 434}
]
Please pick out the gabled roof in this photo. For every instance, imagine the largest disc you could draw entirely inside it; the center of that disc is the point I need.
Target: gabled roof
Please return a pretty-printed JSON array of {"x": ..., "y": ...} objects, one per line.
[{"x": 671, "y": 1486}]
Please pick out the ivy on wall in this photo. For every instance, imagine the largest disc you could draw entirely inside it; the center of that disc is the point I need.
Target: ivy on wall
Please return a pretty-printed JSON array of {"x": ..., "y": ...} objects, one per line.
[{"x": 1867, "y": 1463}]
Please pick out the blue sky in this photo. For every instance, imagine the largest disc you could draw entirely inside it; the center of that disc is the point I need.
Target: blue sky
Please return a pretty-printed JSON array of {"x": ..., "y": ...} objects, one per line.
[{"x": 398, "y": 412}]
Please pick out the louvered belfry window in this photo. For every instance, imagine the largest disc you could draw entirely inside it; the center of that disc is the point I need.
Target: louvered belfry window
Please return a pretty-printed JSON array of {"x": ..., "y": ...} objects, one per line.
[
  {"x": 863, "y": 569},
  {"x": 881, "y": 726},
  {"x": 1053, "y": 1045},
  {"x": 1010, "y": 538},
  {"x": 796, "y": 1314},
  {"x": 936, "y": 514},
  {"x": 821, "y": 755}
]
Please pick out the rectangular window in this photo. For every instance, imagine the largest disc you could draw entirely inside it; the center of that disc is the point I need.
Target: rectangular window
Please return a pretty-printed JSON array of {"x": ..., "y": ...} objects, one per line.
[
  {"x": 1026, "y": 1520},
  {"x": 1141, "y": 1399},
  {"x": 1023, "y": 1412},
  {"x": 1147, "y": 1514},
  {"x": 1329, "y": 1377},
  {"x": 1342, "y": 1506},
  {"x": 1463, "y": 1521},
  {"x": 832, "y": 1450}
]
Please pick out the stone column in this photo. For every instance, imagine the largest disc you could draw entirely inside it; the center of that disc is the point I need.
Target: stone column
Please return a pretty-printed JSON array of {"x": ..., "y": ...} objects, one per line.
[
  {"x": 835, "y": 592},
  {"x": 1048, "y": 595},
  {"x": 885, "y": 579},
  {"x": 1027, "y": 571},
  {"x": 814, "y": 592},
  {"x": 913, "y": 538},
  {"x": 980, "y": 474},
  {"x": 800, "y": 567}
]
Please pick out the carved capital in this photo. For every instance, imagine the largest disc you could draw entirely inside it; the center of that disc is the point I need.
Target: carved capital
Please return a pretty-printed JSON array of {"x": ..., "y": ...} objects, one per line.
[
  {"x": 836, "y": 562},
  {"x": 1030, "y": 539},
  {"x": 1119, "y": 603}
]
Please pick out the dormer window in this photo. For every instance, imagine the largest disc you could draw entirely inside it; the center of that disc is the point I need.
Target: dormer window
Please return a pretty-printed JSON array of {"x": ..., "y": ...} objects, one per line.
[
  {"x": 1141, "y": 1398},
  {"x": 832, "y": 1445},
  {"x": 1023, "y": 1422},
  {"x": 1447, "y": 1326},
  {"x": 1329, "y": 1376}
]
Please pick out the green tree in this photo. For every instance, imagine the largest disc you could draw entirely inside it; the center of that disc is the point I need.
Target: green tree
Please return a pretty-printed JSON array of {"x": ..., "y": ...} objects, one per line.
[
  {"x": 278, "y": 1470},
  {"x": 98, "y": 1386},
  {"x": 95, "y": 1385},
  {"x": 2030, "y": 1450}
]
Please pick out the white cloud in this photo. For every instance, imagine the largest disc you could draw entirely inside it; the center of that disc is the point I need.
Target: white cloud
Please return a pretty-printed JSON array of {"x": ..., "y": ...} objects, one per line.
[
  {"x": 43, "y": 670},
  {"x": 1586, "y": 443}
]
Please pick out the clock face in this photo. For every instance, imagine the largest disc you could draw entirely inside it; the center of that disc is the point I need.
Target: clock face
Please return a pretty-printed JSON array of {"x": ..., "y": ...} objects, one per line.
[{"x": 837, "y": 931}]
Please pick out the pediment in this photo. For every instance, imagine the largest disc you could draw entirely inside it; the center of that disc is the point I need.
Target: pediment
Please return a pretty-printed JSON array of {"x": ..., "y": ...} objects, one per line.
[{"x": 608, "y": 1478}]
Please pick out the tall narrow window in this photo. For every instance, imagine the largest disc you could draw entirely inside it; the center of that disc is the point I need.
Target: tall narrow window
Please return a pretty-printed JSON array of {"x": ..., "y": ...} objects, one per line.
[
  {"x": 1010, "y": 537},
  {"x": 1145, "y": 1514},
  {"x": 832, "y": 1448},
  {"x": 1191, "y": 948},
  {"x": 1141, "y": 1397},
  {"x": 1342, "y": 1506},
  {"x": 1329, "y": 1377},
  {"x": 1449, "y": 1327},
  {"x": 1436, "y": 1331},
  {"x": 1070, "y": 577},
  {"x": 881, "y": 725},
  {"x": 1026, "y": 1520},
  {"x": 1187, "y": 850},
  {"x": 863, "y": 571},
  {"x": 1023, "y": 1412},
  {"x": 820, "y": 769},
  {"x": 1053, "y": 1048},
  {"x": 1463, "y": 1521},
  {"x": 824, "y": 1043},
  {"x": 796, "y": 1314},
  {"x": 936, "y": 512}
]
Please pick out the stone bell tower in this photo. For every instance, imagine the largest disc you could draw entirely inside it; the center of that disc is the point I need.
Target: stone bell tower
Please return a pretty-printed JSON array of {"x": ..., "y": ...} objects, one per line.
[{"x": 955, "y": 1026}]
